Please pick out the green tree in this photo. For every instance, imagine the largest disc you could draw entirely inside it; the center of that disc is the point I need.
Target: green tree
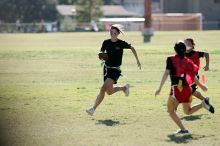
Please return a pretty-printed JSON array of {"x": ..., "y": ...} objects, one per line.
[
  {"x": 67, "y": 2},
  {"x": 111, "y": 2},
  {"x": 28, "y": 10},
  {"x": 87, "y": 10}
]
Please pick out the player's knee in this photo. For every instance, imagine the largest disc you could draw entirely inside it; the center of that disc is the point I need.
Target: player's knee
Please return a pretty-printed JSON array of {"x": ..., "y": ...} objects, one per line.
[
  {"x": 109, "y": 92},
  {"x": 187, "y": 112}
]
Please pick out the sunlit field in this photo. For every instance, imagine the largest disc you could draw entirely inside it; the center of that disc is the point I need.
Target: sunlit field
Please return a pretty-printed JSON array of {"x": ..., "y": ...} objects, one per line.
[{"x": 47, "y": 81}]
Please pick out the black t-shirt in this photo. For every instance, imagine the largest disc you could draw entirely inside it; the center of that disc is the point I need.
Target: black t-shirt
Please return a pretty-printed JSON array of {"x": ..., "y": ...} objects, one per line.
[
  {"x": 114, "y": 51},
  {"x": 191, "y": 53},
  {"x": 169, "y": 66}
]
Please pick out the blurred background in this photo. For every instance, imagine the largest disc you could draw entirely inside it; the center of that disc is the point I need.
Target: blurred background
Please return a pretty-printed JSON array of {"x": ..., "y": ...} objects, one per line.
[{"x": 38, "y": 16}]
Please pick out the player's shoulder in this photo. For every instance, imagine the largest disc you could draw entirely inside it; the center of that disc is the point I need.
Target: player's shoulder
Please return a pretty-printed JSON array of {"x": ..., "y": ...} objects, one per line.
[
  {"x": 121, "y": 41},
  {"x": 170, "y": 57},
  {"x": 107, "y": 40},
  {"x": 197, "y": 51}
]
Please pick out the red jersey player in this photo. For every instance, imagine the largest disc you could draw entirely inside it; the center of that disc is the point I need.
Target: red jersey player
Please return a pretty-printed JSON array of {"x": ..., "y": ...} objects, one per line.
[
  {"x": 195, "y": 56},
  {"x": 179, "y": 67}
]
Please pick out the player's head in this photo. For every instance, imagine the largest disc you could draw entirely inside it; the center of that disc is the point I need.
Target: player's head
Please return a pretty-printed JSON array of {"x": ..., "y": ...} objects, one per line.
[
  {"x": 189, "y": 42},
  {"x": 180, "y": 49},
  {"x": 115, "y": 30}
]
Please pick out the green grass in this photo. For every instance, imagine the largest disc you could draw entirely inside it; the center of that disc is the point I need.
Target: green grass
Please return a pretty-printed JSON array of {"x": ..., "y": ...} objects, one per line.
[{"x": 48, "y": 80}]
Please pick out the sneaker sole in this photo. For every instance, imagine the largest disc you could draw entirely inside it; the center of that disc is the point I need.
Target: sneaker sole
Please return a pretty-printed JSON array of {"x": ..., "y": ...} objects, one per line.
[{"x": 91, "y": 114}]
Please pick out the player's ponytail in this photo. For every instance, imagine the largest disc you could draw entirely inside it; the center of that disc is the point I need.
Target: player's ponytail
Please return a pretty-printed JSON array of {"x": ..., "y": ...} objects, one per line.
[{"x": 180, "y": 49}]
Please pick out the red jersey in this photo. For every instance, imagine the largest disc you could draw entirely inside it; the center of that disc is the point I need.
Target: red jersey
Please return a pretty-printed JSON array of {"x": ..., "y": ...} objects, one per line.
[
  {"x": 181, "y": 69},
  {"x": 195, "y": 56}
]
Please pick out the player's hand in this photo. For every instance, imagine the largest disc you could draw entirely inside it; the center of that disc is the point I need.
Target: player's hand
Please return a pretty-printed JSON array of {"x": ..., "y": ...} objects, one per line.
[
  {"x": 157, "y": 92},
  {"x": 139, "y": 64},
  {"x": 103, "y": 56},
  {"x": 206, "y": 68}
]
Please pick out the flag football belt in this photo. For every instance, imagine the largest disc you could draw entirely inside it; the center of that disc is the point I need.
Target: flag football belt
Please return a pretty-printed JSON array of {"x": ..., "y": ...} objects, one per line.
[{"x": 107, "y": 67}]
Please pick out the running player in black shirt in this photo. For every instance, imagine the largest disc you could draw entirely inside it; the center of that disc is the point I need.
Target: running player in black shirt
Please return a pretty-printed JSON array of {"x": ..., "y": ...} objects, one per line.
[{"x": 112, "y": 52}]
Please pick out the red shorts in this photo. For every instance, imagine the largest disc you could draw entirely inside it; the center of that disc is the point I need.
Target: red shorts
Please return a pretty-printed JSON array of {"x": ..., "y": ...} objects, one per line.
[{"x": 184, "y": 96}]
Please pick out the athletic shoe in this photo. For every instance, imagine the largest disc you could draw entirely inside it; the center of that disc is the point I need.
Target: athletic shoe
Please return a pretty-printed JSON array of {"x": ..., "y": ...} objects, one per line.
[
  {"x": 211, "y": 108},
  {"x": 90, "y": 111},
  {"x": 181, "y": 131},
  {"x": 207, "y": 100},
  {"x": 207, "y": 105},
  {"x": 127, "y": 89}
]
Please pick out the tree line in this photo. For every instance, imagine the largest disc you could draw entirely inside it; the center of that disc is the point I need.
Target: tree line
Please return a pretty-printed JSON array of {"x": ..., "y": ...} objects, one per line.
[{"x": 37, "y": 10}]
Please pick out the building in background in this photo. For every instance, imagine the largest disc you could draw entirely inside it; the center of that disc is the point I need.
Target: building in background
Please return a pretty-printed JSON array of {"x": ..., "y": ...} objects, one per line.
[
  {"x": 109, "y": 11},
  {"x": 210, "y": 9},
  {"x": 167, "y": 14}
]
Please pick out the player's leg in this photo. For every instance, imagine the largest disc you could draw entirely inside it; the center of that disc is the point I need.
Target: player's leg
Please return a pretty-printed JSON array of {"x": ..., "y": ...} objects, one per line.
[
  {"x": 195, "y": 93},
  {"x": 190, "y": 110},
  {"x": 206, "y": 102},
  {"x": 172, "y": 105},
  {"x": 114, "y": 74},
  {"x": 198, "y": 95},
  {"x": 111, "y": 90},
  {"x": 107, "y": 84}
]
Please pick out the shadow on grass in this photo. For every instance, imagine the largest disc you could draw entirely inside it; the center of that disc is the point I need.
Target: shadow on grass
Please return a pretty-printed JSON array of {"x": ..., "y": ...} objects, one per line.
[
  {"x": 108, "y": 122},
  {"x": 186, "y": 138},
  {"x": 192, "y": 117},
  {"x": 179, "y": 138}
]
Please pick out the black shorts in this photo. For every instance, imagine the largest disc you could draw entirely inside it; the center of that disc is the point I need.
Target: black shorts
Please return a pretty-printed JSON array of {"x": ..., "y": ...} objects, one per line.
[
  {"x": 111, "y": 73},
  {"x": 194, "y": 87}
]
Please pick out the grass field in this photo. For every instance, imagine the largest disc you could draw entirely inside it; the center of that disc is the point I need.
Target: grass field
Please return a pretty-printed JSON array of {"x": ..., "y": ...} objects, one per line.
[{"x": 48, "y": 80}]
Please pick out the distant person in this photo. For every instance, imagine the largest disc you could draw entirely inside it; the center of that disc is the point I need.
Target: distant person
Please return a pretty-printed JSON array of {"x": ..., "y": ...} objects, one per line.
[
  {"x": 178, "y": 67},
  {"x": 33, "y": 27},
  {"x": 112, "y": 52},
  {"x": 18, "y": 25},
  {"x": 42, "y": 26},
  {"x": 195, "y": 56},
  {"x": 94, "y": 26},
  {"x": 58, "y": 25},
  {"x": 25, "y": 28}
]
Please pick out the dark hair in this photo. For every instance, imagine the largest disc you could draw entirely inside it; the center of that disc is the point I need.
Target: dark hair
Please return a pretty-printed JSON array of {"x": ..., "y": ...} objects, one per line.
[
  {"x": 116, "y": 29},
  {"x": 191, "y": 41},
  {"x": 180, "y": 49}
]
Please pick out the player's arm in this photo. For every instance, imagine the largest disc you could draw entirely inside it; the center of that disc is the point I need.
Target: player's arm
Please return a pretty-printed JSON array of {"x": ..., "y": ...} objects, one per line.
[
  {"x": 164, "y": 78},
  {"x": 136, "y": 56},
  {"x": 206, "y": 55},
  {"x": 103, "y": 47},
  {"x": 102, "y": 51}
]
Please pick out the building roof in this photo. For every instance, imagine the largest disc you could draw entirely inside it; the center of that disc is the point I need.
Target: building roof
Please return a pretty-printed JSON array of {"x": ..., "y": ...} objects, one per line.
[
  {"x": 117, "y": 10},
  {"x": 108, "y": 11},
  {"x": 66, "y": 10}
]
